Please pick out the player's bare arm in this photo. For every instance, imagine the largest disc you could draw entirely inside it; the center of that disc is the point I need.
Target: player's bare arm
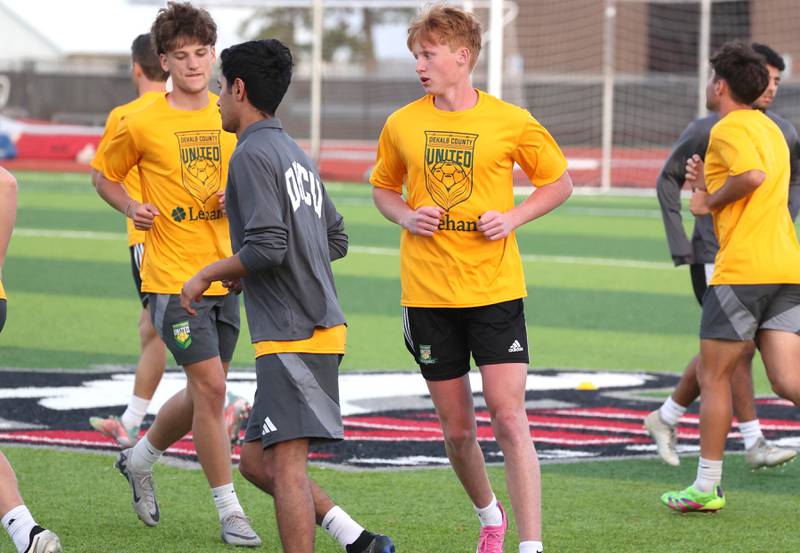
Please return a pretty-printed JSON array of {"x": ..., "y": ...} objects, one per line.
[
  {"x": 735, "y": 188},
  {"x": 8, "y": 211},
  {"x": 117, "y": 197},
  {"x": 229, "y": 269},
  {"x": 496, "y": 225},
  {"x": 423, "y": 220}
]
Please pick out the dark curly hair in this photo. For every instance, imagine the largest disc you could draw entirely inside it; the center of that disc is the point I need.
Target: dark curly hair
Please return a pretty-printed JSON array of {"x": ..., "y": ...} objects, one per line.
[
  {"x": 265, "y": 68},
  {"x": 180, "y": 23},
  {"x": 773, "y": 58},
  {"x": 743, "y": 69}
]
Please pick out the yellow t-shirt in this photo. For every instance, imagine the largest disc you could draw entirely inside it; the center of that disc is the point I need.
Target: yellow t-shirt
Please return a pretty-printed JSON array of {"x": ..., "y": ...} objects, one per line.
[
  {"x": 2, "y": 291},
  {"x": 182, "y": 156},
  {"x": 463, "y": 162},
  {"x": 131, "y": 181},
  {"x": 324, "y": 340},
  {"x": 758, "y": 244}
]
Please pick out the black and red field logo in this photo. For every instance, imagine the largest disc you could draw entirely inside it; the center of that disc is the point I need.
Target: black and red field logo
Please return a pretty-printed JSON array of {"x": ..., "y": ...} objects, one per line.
[{"x": 389, "y": 419}]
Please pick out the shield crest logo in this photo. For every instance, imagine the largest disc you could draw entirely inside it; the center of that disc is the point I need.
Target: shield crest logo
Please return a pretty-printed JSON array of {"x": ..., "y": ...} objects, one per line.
[
  {"x": 182, "y": 334},
  {"x": 201, "y": 166},
  {"x": 449, "y": 159}
]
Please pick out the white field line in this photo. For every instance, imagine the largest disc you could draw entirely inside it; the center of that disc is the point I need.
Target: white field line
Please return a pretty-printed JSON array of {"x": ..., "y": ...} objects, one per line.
[
  {"x": 75, "y": 234},
  {"x": 373, "y": 250},
  {"x": 560, "y": 259}
]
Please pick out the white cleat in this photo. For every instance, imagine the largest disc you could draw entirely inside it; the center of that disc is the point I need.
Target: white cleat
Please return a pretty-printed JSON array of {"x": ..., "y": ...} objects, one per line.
[
  {"x": 144, "y": 493},
  {"x": 236, "y": 530},
  {"x": 664, "y": 436},
  {"x": 765, "y": 454},
  {"x": 43, "y": 541}
]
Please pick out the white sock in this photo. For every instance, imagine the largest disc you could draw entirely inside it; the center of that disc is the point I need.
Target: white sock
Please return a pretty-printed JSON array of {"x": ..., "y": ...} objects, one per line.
[
  {"x": 671, "y": 412},
  {"x": 531, "y": 547},
  {"x": 134, "y": 414},
  {"x": 490, "y": 515},
  {"x": 709, "y": 474},
  {"x": 341, "y": 526},
  {"x": 144, "y": 455},
  {"x": 751, "y": 432},
  {"x": 19, "y": 522},
  {"x": 226, "y": 500}
]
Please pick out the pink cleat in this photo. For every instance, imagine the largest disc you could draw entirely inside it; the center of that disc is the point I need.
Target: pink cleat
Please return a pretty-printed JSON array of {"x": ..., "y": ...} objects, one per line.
[
  {"x": 237, "y": 411},
  {"x": 492, "y": 537},
  {"x": 113, "y": 428}
]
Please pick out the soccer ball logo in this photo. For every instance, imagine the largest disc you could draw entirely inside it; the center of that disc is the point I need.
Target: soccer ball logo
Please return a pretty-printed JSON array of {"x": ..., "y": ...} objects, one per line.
[
  {"x": 449, "y": 174},
  {"x": 202, "y": 169}
]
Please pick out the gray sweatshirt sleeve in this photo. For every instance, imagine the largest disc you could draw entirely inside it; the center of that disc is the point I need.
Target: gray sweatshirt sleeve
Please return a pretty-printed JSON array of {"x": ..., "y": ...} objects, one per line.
[
  {"x": 668, "y": 189},
  {"x": 337, "y": 237},
  {"x": 265, "y": 231}
]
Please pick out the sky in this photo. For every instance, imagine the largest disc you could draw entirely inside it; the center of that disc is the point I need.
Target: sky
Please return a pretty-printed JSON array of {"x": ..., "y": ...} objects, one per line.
[{"x": 109, "y": 26}]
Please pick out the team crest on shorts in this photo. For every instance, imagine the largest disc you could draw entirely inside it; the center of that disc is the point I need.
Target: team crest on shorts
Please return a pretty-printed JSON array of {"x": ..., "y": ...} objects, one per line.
[
  {"x": 449, "y": 159},
  {"x": 425, "y": 355},
  {"x": 201, "y": 165},
  {"x": 182, "y": 334}
]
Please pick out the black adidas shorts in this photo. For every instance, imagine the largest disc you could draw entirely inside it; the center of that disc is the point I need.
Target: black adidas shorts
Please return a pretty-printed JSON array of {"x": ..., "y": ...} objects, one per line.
[
  {"x": 137, "y": 251},
  {"x": 441, "y": 339},
  {"x": 3, "y": 307}
]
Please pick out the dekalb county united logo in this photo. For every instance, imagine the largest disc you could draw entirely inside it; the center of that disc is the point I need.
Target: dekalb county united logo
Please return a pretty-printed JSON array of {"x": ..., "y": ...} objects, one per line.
[
  {"x": 449, "y": 160},
  {"x": 425, "y": 355},
  {"x": 201, "y": 166},
  {"x": 178, "y": 214},
  {"x": 182, "y": 334}
]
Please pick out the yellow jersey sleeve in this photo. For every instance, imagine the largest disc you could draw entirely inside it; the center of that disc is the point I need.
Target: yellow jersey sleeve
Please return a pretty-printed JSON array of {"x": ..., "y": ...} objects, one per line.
[
  {"x": 112, "y": 122},
  {"x": 121, "y": 154},
  {"x": 2, "y": 291},
  {"x": 538, "y": 154},
  {"x": 737, "y": 151},
  {"x": 389, "y": 169}
]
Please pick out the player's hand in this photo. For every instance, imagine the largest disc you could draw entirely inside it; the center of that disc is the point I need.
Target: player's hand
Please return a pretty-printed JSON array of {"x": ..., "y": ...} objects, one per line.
[
  {"x": 698, "y": 205},
  {"x": 423, "y": 221},
  {"x": 193, "y": 291},
  {"x": 495, "y": 225},
  {"x": 234, "y": 285},
  {"x": 221, "y": 198},
  {"x": 695, "y": 173},
  {"x": 143, "y": 215}
]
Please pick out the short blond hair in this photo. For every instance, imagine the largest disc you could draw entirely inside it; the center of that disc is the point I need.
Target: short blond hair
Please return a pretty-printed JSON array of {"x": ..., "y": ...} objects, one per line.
[{"x": 449, "y": 25}]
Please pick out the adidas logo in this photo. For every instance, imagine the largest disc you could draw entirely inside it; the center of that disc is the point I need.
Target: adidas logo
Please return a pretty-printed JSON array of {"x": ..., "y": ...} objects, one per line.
[
  {"x": 515, "y": 347},
  {"x": 268, "y": 427}
]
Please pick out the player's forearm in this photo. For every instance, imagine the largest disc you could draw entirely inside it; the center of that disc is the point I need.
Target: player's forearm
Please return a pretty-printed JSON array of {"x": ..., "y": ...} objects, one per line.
[
  {"x": 8, "y": 210},
  {"x": 736, "y": 188},
  {"x": 229, "y": 268},
  {"x": 542, "y": 201},
  {"x": 113, "y": 193},
  {"x": 391, "y": 205}
]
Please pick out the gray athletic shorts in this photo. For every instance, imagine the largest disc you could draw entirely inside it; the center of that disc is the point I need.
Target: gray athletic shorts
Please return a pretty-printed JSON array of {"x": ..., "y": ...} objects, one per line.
[
  {"x": 737, "y": 312},
  {"x": 297, "y": 396},
  {"x": 212, "y": 332}
]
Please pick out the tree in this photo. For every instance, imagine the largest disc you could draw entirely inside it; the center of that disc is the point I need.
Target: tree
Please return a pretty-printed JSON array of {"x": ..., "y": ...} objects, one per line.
[{"x": 348, "y": 32}]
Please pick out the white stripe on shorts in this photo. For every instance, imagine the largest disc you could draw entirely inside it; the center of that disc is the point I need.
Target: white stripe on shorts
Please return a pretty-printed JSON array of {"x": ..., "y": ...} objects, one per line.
[
  {"x": 138, "y": 253},
  {"x": 407, "y": 328}
]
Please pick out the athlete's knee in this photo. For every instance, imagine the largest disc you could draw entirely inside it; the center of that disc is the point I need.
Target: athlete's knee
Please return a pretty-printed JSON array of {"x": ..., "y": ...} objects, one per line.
[
  {"x": 511, "y": 425},
  {"x": 208, "y": 390},
  {"x": 459, "y": 438},
  {"x": 787, "y": 388},
  {"x": 257, "y": 472}
]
